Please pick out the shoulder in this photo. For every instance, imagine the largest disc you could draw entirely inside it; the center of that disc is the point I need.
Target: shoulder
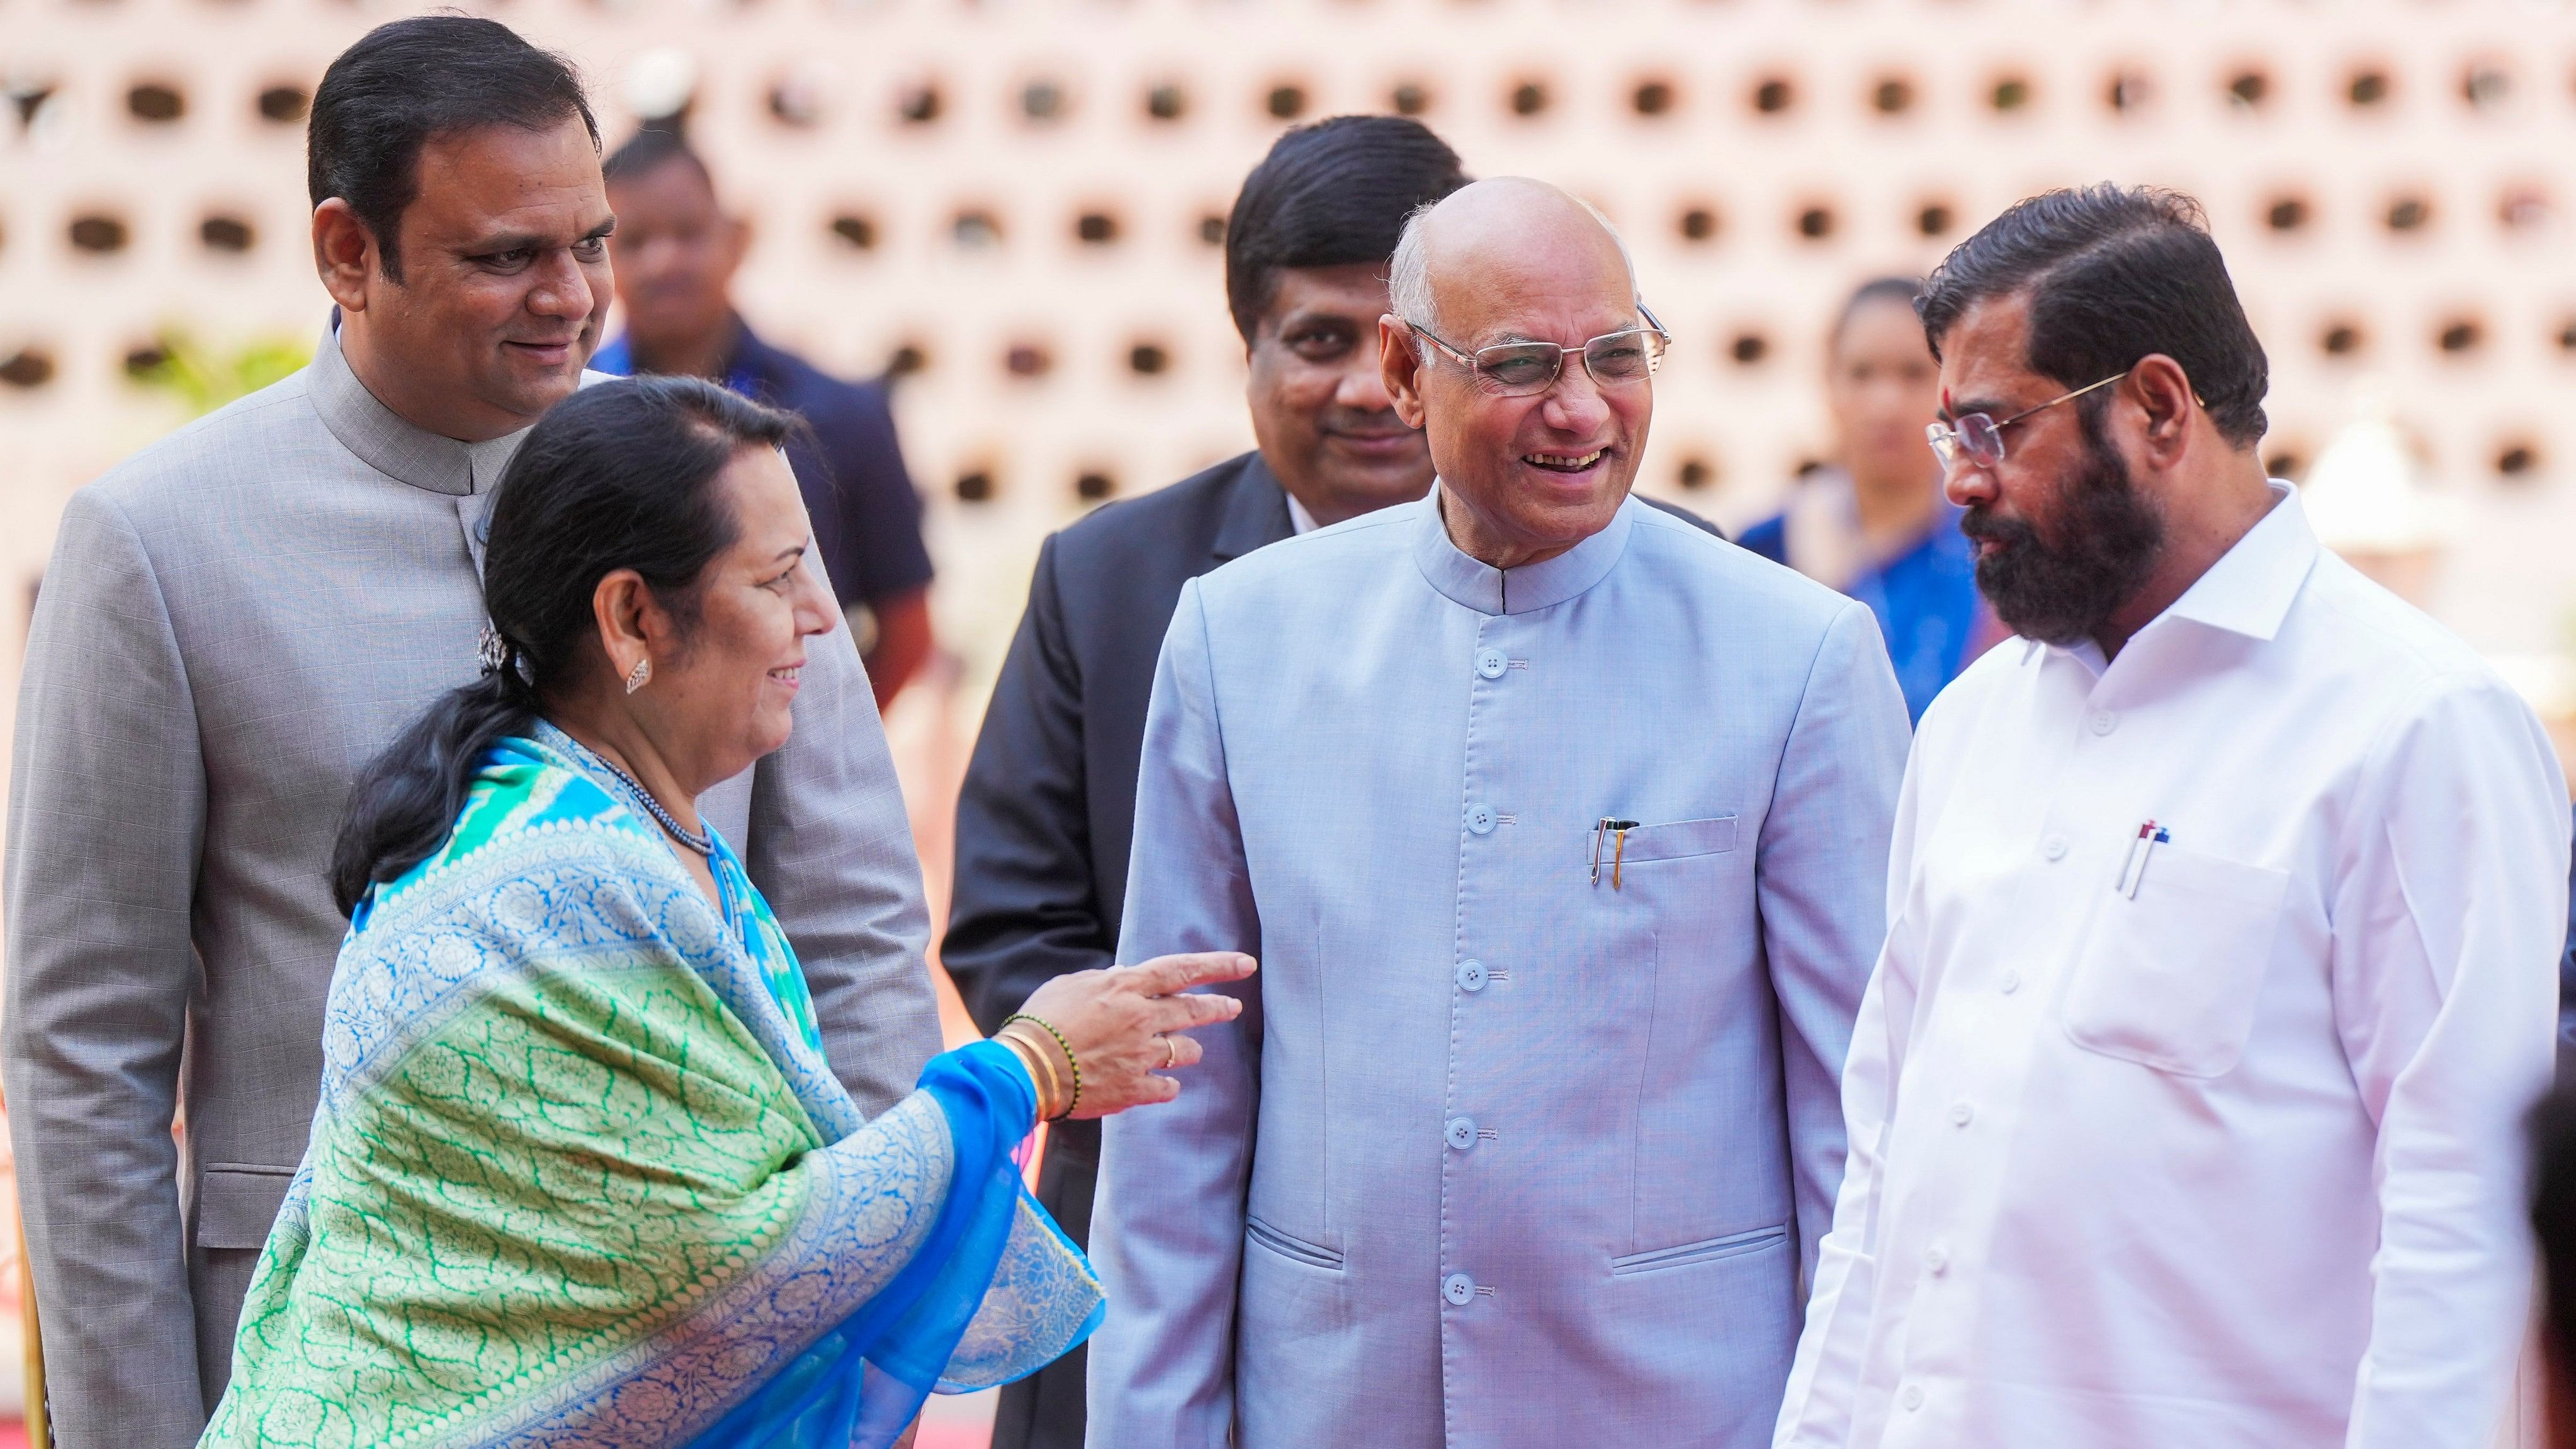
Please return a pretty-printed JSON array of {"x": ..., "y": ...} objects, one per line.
[
  {"x": 1675, "y": 510},
  {"x": 241, "y": 442},
  {"x": 1326, "y": 563},
  {"x": 821, "y": 398},
  {"x": 2378, "y": 646},
  {"x": 1177, "y": 517},
  {"x": 1731, "y": 574}
]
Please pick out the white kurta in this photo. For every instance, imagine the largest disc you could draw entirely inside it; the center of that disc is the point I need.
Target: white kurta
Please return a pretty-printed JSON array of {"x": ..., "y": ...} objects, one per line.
[{"x": 2232, "y": 1160}]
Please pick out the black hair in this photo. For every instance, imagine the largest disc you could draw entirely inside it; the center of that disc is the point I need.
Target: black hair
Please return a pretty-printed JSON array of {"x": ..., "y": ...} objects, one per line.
[
  {"x": 618, "y": 476},
  {"x": 650, "y": 149},
  {"x": 1328, "y": 195},
  {"x": 2113, "y": 274},
  {"x": 1900, "y": 290},
  {"x": 408, "y": 82}
]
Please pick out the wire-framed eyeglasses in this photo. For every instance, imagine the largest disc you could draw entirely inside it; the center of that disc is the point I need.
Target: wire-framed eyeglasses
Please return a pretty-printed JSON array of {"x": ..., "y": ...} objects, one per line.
[
  {"x": 1521, "y": 369},
  {"x": 1979, "y": 439}
]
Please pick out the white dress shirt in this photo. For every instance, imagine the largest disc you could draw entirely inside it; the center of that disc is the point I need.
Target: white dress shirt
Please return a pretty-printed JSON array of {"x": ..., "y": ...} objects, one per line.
[{"x": 2231, "y": 1159}]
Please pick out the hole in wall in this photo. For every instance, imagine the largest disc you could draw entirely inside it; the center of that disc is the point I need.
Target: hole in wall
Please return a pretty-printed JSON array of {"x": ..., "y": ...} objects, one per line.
[
  {"x": 1697, "y": 223},
  {"x": 1653, "y": 97},
  {"x": 2518, "y": 461},
  {"x": 2523, "y": 208},
  {"x": 1815, "y": 222},
  {"x": 2342, "y": 338},
  {"x": 1748, "y": 349},
  {"x": 1149, "y": 359},
  {"x": 1528, "y": 98},
  {"x": 1044, "y": 101},
  {"x": 283, "y": 105},
  {"x": 2369, "y": 87},
  {"x": 1096, "y": 228},
  {"x": 1212, "y": 229},
  {"x": 2010, "y": 93},
  {"x": 919, "y": 104},
  {"x": 97, "y": 233},
  {"x": 1410, "y": 98},
  {"x": 2128, "y": 91},
  {"x": 2285, "y": 463},
  {"x": 28, "y": 367},
  {"x": 976, "y": 230},
  {"x": 1934, "y": 219},
  {"x": 2286, "y": 213},
  {"x": 1028, "y": 360},
  {"x": 1286, "y": 101},
  {"x": 1094, "y": 484},
  {"x": 156, "y": 103},
  {"x": 1892, "y": 96},
  {"x": 2460, "y": 336},
  {"x": 1774, "y": 95},
  {"x": 2410, "y": 213},
  {"x": 909, "y": 358},
  {"x": 1694, "y": 474},
  {"x": 2486, "y": 85},
  {"x": 2249, "y": 88},
  {"x": 856, "y": 229},
  {"x": 975, "y": 485},
  {"x": 1167, "y": 102},
  {"x": 226, "y": 233}
]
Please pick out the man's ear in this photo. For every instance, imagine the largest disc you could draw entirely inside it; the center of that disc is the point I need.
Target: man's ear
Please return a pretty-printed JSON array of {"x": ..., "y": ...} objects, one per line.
[
  {"x": 2163, "y": 391},
  {"x": 1400, "y": 367},
  {"x": 344, "y": 254}
]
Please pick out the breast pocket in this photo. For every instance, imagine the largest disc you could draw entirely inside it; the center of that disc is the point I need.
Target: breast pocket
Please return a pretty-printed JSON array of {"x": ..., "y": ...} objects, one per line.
[
  {"x": 2169, "y": 979},
  {"x": 1679, "y": 840}
]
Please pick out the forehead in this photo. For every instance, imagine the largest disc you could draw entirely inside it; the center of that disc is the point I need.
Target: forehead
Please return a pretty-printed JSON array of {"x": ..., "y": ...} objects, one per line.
[
  {"x": 507, "y": 176},
  {"x": 1560, "y": 284},
  {"x": 768, "y": 509},
  {"x": 1883, "y": 328},
  {"x": 1359, "y": 288},
  {"x": 1984, "y": 356}
]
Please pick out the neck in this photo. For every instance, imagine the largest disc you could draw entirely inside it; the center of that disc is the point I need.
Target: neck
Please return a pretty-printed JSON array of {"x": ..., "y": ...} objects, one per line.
[
  {"x": 2203, "y": 520},
  {"x": 466, "y": 420},
  {"x": 614, "y": 736},
  {"x": 1467, "y": 530},
  {"x": 1895, "y": 507},
  {"x": 703, "y": 354}
]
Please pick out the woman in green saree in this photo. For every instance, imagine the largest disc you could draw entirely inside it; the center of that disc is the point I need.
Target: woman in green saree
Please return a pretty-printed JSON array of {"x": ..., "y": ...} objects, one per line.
[{"x": 580, "y": 1173}]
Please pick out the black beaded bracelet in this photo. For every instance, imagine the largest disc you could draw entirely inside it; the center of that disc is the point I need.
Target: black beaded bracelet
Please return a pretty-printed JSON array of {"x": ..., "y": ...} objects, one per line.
[{"x": 1070, "y": 1060}]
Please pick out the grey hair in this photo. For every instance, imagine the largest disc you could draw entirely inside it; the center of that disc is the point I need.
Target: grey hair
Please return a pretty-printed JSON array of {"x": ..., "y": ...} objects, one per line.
[{"x": 1408, "y": 278}]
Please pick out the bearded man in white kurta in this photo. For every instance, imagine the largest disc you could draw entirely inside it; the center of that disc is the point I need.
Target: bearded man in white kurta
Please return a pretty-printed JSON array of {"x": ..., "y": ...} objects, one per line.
[
  {"x": 1559, "y": 827},
  {"x": 2224, "y": 910}
]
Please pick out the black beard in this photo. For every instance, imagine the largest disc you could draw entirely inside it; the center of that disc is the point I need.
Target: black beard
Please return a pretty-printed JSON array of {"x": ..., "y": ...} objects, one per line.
[{"x": 2109, "y": 538}]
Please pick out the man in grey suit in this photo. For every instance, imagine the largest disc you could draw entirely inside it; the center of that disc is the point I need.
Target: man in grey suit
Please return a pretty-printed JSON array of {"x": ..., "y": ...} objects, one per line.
[
  {"x": 233, "y": 622},
  {"x": 1559, "y": 828}
]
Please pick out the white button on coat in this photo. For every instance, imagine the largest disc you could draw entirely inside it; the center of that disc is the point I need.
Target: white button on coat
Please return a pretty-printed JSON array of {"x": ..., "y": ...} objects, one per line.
[
  {"x": 2054, "y": 847},
  {"x": 1491, "y": 663},
  {"x": 1471, "y": 975},
  {"x": 1480, "y": 819},
  {"x": 1462, "y": 1132},
  {"x": 1458, "y": 1288}
]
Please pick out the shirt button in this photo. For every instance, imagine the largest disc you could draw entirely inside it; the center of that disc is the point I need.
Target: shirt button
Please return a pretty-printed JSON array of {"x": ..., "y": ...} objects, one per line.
[
  {"x": 1491, "y": 663},
  {"x": 1471, "y": 975},
  {"x": 1912, "y": 1398},
  {"x": 2010, "y": 984},
  {"x": 1462, "y": 1132},
  {"x": 2104, "y": 721},
  {"x": 1480, "y": 819},
  {"x": 1459, "y": 1289},
  {"x": 1936, "y": 1260},
  {"x": 2054, "y": 847},
  {"x": 1960, "y": 1112}
]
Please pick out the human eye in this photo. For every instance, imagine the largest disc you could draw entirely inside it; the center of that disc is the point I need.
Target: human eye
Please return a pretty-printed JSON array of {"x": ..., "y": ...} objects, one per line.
[
  {"x": 1319, "y": 342},
  {"x": 590, "y": 248},
  {"x": 515, "y": 259},
  {"x": 1622, "y": 356},
  {"x": 1514, "y": 366}
]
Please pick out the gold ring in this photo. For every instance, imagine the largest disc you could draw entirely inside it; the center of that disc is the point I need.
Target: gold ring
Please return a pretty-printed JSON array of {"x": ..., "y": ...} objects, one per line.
[{"x": 1171, "y": 1051}]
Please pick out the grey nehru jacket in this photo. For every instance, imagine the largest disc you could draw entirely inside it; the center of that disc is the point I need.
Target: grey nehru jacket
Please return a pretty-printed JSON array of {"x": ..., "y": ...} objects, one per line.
[{"x": 234, "y": 620}]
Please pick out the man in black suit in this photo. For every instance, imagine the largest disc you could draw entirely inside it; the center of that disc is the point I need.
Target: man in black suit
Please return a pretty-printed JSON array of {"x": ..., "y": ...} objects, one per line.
[{"x": 1043, "y": 820}]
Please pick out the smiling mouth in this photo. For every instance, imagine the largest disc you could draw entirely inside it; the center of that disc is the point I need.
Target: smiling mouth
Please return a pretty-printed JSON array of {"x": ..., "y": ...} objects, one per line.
[
  {"x": 1565, "y": 462},
  {"x": 790, "y": 675}
]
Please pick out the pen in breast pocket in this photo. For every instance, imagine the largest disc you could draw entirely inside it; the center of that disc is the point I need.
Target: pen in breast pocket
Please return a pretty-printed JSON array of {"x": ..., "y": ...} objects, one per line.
[
  {"x": 2133, "y": 871},
  {"x": 1610, "y": 825}
]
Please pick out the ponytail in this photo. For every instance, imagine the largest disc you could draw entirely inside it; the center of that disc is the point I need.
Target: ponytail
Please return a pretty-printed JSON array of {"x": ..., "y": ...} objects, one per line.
[{"x": 407, "y": 799}]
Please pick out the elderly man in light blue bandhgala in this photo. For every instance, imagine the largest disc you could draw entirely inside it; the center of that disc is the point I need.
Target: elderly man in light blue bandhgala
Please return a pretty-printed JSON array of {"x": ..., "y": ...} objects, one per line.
[{"x": 1559, "y": 827}]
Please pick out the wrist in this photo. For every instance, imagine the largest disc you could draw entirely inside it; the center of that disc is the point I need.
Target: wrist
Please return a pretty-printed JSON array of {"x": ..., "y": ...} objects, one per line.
[
  {"x": 1073, "y": 1066},
  {"x": 1047, "y": 1091}
]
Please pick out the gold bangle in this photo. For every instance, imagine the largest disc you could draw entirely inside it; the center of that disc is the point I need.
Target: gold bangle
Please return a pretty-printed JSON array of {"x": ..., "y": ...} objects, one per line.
[
  {"x": 1049, "y": 1084},
  {"x": 1070, "y": 1060}
]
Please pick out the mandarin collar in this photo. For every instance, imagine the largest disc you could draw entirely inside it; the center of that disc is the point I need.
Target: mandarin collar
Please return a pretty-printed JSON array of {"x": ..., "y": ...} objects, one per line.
[
  {"x": 385, "y": 442},
  {"x": 1479, "y": 586}
]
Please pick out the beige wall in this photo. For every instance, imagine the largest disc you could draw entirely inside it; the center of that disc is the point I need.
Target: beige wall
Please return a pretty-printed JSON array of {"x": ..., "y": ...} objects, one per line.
[{"x": 2505, "y": 584}]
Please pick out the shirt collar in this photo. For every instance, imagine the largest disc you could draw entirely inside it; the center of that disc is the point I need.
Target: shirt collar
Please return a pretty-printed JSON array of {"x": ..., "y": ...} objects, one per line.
[
  {"x": 385, "y": 442},
  {"x": 1298, "y": 518},
  {"x": 1489, "y": 590},
  {"x": 2250, "y": 589}
]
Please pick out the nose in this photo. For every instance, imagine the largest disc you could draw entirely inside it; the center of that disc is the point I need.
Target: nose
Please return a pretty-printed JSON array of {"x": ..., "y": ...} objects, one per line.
[
  {"x": 1575, "y": 404},
  {"x": 1362, "y": 387},
  {"x": 561, "y": 288},
  {"x": 817, "y": 612},
  {"x": 1966, "y": 483}
]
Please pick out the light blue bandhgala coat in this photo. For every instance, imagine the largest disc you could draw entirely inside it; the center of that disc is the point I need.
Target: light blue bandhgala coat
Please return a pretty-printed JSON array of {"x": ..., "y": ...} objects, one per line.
[{"x": 1505, "y": 1155}]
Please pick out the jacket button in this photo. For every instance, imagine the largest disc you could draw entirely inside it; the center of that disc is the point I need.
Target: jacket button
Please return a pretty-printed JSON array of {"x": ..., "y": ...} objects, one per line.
[
  {"x": 1491, "y": 663},
  {"x": 1961, "y": 1114},
  {"x": 2054, "y": 847},
  {"x": 1480, "y": 819},
  {"x": 1459, "y": 1289},
  {"x": 1912, "y": 1398},
  {"x": 1462, "y": 1132},
  {"x": 1471, "y": 975},
  {"x": 2105, "y": 722}
]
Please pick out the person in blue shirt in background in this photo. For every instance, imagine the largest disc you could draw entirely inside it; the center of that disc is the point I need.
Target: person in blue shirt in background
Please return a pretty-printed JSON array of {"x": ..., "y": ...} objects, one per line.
[
  {"x": 675, "y": 252},
  {"x": 1873, "y": 524}
]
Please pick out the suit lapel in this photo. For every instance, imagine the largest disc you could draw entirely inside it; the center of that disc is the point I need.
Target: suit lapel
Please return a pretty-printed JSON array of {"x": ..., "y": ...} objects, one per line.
[{"x": 1256, "y": 511}]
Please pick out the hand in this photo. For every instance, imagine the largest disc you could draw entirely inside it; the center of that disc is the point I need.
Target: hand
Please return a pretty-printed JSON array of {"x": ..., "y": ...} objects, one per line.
[{"x": 1124, "y": 1023}]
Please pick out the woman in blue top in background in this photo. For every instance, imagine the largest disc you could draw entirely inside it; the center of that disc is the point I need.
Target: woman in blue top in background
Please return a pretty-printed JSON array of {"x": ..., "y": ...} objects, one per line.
[{"x": 1874, "y": 524}]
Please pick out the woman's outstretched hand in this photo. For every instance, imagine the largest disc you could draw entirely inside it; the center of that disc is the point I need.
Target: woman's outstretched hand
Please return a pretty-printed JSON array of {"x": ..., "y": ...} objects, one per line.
[{"x": 1127, "y": 1023}]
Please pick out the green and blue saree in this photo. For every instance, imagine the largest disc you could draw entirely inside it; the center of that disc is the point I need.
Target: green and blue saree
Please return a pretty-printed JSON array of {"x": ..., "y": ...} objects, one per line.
[{"x": 580, "y": 1174}]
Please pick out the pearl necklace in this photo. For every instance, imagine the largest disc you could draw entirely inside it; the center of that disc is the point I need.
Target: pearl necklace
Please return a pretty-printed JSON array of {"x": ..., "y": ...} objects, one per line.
[{"x": 702, "y": 843}]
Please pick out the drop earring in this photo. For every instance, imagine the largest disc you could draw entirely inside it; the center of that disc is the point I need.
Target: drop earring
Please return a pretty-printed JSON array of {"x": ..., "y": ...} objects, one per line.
[{"x": 640, "y": 675}]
